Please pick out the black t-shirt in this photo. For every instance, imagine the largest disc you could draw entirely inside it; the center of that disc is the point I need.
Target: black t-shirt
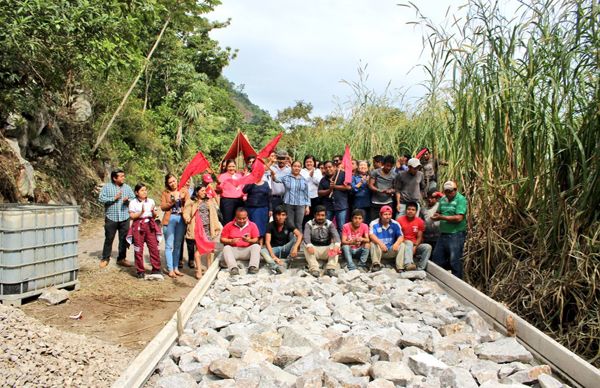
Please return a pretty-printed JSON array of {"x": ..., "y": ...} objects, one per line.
[
  {"x": 339, "y": 199},
  {"x": 279, "y": 238}
]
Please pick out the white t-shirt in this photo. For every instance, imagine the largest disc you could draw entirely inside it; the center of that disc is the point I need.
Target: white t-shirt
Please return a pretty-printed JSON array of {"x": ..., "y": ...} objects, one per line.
[
  {"x": 313, "y": 183},
  {"x": 136, "y": 207}
]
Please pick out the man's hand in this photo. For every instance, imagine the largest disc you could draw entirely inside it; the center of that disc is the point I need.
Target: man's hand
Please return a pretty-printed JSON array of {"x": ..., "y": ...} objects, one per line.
[
  {"x": 306, "y": 210},
  {"x": 234, "y": 240},
  {"x": 277, "y": 260},
  {"x": 246, "y": 238},
  {"x": 310, "y": 250},
  {"x": 396, "y": 247},
  {"x": 119, "y": 193},
  {"x": 294, "y": 252},
  {"x": 383, "y": 247},
  {"x": 436, "y": 217},
  {"x": 125, "y": 199}
]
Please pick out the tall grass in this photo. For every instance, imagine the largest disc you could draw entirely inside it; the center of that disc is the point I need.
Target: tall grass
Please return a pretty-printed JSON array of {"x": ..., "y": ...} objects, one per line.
[{"x": 513, "y": 105}]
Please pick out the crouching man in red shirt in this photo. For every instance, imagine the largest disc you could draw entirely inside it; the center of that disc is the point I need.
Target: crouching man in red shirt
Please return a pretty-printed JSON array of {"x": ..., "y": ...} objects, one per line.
[
  {"x": 413, "y": 228},
  {"x": 240, "y": 240}
]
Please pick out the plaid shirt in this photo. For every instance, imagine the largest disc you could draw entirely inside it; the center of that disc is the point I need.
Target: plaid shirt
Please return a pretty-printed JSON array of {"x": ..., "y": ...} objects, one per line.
[{"x": 116, "y": 210}]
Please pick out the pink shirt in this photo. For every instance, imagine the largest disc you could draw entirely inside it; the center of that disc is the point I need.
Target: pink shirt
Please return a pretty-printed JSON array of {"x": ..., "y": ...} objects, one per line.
[
  {"x": 232, "y": 230},
  {"x": 228, "y": 185},
  {"x": 361, "y": 232}
]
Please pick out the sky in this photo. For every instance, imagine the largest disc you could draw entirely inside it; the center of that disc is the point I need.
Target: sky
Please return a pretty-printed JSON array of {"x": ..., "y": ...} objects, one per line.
[{"x": 303, "y": 50}]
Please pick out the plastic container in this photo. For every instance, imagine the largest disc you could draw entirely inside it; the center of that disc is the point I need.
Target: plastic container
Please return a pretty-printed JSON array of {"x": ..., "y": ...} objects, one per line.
[{"x": 38, "y": 249}]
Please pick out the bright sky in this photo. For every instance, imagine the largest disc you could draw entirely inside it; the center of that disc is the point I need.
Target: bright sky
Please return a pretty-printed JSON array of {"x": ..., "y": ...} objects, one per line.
[{"x": 301, "y": 50}]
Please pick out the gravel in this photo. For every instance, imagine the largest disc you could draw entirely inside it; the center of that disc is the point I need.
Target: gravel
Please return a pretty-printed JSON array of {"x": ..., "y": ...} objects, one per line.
[
  {"x": 32, "y": 354},
  {"x": 355, "y": 330}
]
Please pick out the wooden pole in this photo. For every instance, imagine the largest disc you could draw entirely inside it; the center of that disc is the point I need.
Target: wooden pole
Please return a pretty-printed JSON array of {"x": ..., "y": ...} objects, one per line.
[{"x": 135, "y": 81}]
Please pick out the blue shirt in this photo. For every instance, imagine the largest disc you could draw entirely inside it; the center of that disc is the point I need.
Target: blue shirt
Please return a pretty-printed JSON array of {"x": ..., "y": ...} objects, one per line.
[
  {"x": 388, "y": 235},
  {"x": 362, "y": 194},
  {"x": 258, "y": 195},
  {"x": 116, "y": 210},
  {"x": 296, "y": 190}
]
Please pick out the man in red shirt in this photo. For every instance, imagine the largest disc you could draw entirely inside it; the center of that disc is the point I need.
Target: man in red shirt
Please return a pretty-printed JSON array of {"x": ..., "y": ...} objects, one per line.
[
  {"x": 413, "y": 228},
  {"x": 240, "y": 240}
]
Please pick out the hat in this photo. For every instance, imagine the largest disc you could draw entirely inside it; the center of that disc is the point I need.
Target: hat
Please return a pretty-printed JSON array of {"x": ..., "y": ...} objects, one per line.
[
  {"x": 206, "y": 178},
  {"x": 414, "y": 162},
  {"x": 433, "y": 193},
  {"x": 281, "y": 154},
  {"x": 384, "y": 209},
  {"x": 449, "y": 186}
]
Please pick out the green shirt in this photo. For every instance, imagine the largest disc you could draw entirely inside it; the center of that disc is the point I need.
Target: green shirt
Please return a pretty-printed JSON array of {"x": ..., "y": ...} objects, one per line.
[{"x": 458, "y": 205}]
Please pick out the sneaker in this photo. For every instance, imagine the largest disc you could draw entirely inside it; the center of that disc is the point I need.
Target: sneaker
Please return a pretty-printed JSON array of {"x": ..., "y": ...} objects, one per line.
[
  {"x": 124, "y": 263},
  {"x": 375, "y": 267},
  {"x": 156, "y": 272},
  {"x": 191, "y": 264},
  {"x": 315, "y": 273},
  {"x": 234, "y": 271},
  {"x": 276, "y": 270},
  {"x": 252, "y": 270},
  {"x": 399, "y": 270},
  {"x": 411, "y": 267},
  {"x": 104, "y": 263},
  {"x": 140, "y": 275},
  {"x": 330, "y": 273}
]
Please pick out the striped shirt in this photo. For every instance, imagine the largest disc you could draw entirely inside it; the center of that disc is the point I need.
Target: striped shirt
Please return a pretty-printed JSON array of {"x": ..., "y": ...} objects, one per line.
[
  {"x": 296, "y": 190},
  {"x": 116, "y": 210}
]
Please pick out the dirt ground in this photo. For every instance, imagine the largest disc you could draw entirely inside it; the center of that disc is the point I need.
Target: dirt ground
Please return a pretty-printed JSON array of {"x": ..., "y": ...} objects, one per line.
[{"x": 116, "y": 306}]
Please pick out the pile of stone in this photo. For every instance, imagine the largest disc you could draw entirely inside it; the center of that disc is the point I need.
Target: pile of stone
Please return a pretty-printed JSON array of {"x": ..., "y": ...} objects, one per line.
[
  {"x": 357, "y": 330},
  {"x": 32, "y": 354}
]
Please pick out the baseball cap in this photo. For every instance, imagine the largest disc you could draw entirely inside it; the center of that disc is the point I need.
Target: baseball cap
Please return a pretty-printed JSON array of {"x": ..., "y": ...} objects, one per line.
[
  {"x": 414, "y": 162},
  {"x": 384, "y": 209},
  {"x": 206, "y": 178},
  {"x": 449, "y": 185}
]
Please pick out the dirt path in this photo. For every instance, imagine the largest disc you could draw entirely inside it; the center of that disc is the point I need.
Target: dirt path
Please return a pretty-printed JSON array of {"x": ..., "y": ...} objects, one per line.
[{"x": 116, "y": 307}]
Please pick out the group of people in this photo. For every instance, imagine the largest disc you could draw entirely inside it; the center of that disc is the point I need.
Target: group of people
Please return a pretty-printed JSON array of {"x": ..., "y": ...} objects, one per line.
[{"x": 389, "y": 209}]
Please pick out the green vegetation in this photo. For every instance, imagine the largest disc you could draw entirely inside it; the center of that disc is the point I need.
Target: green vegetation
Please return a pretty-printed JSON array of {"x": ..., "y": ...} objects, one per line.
[
  {"x": 513, "y": 106},
  {"x": 56, "y": 51}
]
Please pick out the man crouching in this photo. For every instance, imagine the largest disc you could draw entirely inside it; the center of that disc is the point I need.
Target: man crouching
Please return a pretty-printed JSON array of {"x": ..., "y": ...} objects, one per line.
[
  {"x": 240, "y": 238},
  {"x": 322, "y": 242}
]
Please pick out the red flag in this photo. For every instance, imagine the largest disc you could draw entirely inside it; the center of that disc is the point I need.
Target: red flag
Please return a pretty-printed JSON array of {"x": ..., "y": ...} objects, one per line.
[
  {"x": 240, "y": 144},
  {"x": 266, "y": 151},
  {"x": 258, "y": 171},
  {"x": 196, "y": 166},
  {"x": 203, "y": 244},
  {"x": 347, "y": 163}
]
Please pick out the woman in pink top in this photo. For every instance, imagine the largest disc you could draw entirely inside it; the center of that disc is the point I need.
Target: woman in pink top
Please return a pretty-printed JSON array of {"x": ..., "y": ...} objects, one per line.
[{"x": 231, "y": 192}]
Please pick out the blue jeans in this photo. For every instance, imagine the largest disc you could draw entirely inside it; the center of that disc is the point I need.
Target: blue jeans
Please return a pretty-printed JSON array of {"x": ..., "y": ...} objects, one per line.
[
  {"x": 350, "y": 253},
  {"x": 448, "y": 252},
  {"x": 281, "y": 252},
  {"x": 340, "y": 218},
  {"x": 422, "y": 254},
  {"x": 173, "y": 233}
]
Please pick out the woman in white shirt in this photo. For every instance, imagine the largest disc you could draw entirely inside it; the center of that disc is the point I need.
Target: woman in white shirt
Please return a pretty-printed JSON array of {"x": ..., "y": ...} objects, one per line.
[
  {"x": 313, "y": 177},
  {"x": 142, "y": 211}
]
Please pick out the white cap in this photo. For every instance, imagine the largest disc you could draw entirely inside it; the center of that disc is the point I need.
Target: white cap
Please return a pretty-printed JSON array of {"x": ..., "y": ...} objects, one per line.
[
  {"x": 449, "y": 185},
  {"x": 414, "y": 162}
]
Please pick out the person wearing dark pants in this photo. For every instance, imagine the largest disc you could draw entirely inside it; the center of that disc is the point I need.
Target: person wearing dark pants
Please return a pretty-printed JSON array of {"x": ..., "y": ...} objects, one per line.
[
  {"x": 452, "y": 214},
  {"x": 115, "y": 197},
  {"x": 231, "y": 191}
]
